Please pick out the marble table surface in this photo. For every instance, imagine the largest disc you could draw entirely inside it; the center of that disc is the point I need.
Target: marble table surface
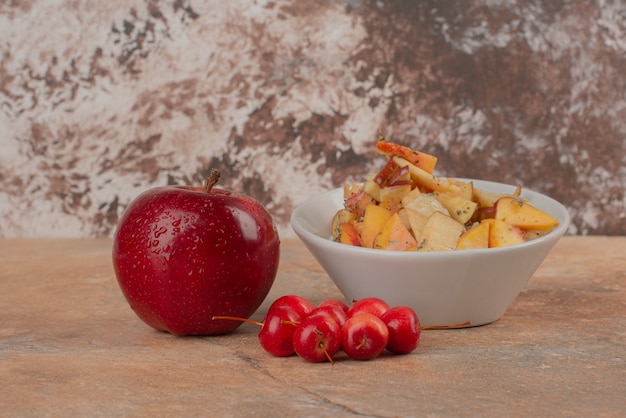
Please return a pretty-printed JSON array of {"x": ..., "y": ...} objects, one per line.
[{"x": 71, "y": 346}]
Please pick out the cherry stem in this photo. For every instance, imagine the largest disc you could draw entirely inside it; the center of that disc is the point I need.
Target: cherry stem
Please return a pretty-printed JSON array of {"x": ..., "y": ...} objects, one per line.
[
  {"x": 361, "y": 344},
  {"x": 235, "y": 318},
  {"x": 462, "y": 324},
  {"x": 211, "y": 181},
  {"x": 328, "y": 356}
]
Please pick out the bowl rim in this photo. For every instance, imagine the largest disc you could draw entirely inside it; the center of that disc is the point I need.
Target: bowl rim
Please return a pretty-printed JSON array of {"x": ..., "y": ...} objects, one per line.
[{"x": 556, "y": 233}]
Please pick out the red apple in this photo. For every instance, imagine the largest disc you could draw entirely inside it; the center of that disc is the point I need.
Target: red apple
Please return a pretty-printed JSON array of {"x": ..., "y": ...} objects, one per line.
[{"x": 185, "y": 254}]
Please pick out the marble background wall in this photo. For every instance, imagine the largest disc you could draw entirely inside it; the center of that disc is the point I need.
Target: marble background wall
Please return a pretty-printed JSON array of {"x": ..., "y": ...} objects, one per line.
[{"x": 100, "y": 100}]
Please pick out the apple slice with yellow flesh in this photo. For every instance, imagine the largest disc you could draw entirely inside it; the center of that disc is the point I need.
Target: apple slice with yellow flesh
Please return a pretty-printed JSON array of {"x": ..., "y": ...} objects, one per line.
[
  {"x": 518, "y": 212},
  {"x": 475, "y": 237},
  {"x": 371, "y": 188},
  {"x": 342, "y": 216},
  {"x": 460, "y": 209},
  {"x": 384, "y": 176},
  {"x": 417, "y": 221},
  {"x": 441, "y": 233},
  {"x": 420, "y": 209},
  {"x": 465, "y": 190},
  {"x": 410, "y": 197},
  {"x": 374, "y": 220},
  {"x": 422, "y": 160},
  {"x": 427, "y": 180},
  {"x": 487, "y": 199},
  {"x": 425, "y": 203},
  {"x": 502, "y": 234},
  {"x": 395, "y": 236},
  {"x": 348, "y": 234},
  {"x": 392, "y": 195}
]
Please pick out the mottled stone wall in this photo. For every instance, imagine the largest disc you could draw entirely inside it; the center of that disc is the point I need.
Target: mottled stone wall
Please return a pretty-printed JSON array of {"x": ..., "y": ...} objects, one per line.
[{"x": 100, "y": 100}]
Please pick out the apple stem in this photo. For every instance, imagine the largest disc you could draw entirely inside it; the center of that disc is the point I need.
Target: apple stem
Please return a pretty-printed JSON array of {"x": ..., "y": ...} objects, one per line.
[
  {"x": 211, "y": 181},
  {"x": 462, "y": 324},
  {"x": 234, "y": 318}
]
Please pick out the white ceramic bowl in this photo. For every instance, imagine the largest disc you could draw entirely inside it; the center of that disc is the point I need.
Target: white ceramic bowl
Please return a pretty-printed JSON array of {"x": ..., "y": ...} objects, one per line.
[{"x": 449, "y": 287}]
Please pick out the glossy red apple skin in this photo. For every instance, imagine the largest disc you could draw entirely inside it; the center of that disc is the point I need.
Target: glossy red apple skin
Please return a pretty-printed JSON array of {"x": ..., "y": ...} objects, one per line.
[{"x": 182, "y": 255}]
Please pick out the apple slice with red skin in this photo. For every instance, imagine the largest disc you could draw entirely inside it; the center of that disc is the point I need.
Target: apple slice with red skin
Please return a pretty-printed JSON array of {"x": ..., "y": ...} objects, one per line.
[
  {"x": 518, "y": 212},
  {"x": 348, "y": 234},
  {"x": 422, "y": 160},
  {"x": 357, "y": 202},
  {"x": 386, "y": 173},
  {"x": 502, "y": 234},
  {"x": 184, "y": 254}
]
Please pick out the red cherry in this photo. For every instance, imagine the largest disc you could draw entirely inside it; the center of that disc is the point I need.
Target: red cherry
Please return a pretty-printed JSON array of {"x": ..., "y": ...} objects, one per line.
[
  {"x": 299, "y": 304},
  {"x": 334, "y": 302},
  {"x": 276, "y": 334},
  {"x": 372, "y": 305},
  {"x": 317, "y": 338},
  {"x": 404, "y": 329},
  {"x": 364, "y": 336},
  {"x": 335, "y": 312}
]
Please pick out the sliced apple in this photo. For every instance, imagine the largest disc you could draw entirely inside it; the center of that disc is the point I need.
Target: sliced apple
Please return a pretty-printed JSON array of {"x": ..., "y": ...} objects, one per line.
[
  {"x": 486, "y": 212},
  {"x": 465, "y": 190},
  {"x": 383, "y": 177},
  {"x": 426, "y": 204},
  {"x": 531, "y": 234},
  {"x": 475, "y": 237},
  {"x": 417, "y": 221},
  {"x": 502, "y": 234},
  {"x": 374, "y": 219},
  {"x": 422, "y": 160},
  {"x": 371, "y": 188},
  {"x": 395, "y": 236},
  {"x": 409, "y": 197},
  {"x": 342, "y": 216},
  {"x": 458, "y": 207},
  {"x": 487, "y": 199},
  {"x": 357, "y": 200},
  {"x": 405, "y": 218},
  {"x": 519, "y": 212},
  {"x": 401, "y": 176},
  {"x": 392, "y": 195},
  {"x": 348, "y": 234},
  {"x": 441, "y": 233},
  {"x": 426, "y": 180}
]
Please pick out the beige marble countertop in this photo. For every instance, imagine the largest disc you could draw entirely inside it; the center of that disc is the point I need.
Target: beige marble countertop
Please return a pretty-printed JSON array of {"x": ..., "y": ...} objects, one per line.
[{"x": 71, "y": 346}]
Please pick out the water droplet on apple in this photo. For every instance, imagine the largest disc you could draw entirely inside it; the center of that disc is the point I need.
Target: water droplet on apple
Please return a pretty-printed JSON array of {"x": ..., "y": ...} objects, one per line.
[{"x": 160, "y": 232}]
